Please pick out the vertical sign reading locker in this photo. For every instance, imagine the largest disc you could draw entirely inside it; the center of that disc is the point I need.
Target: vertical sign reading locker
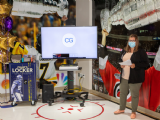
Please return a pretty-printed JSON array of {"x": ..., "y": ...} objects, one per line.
[{"x": 22, "y": 77}]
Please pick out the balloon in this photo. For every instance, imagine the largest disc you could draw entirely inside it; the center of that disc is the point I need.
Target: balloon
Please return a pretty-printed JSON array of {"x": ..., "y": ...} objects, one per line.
[
  {"x": 7, "y": 40},
  {"x": 8, "y": 23},
  {"x": 5, "y": 8},
  {"x": 3, "y": 42},
  {"x": 11, "y": 41},
  {"x": 3, "y": 56}
]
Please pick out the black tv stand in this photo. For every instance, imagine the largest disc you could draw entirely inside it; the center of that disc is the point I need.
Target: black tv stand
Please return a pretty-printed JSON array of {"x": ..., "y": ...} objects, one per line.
[{"x": 70, "y": 88}]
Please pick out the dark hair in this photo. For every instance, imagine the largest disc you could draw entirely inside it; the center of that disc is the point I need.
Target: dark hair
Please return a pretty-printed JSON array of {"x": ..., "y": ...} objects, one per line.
[{"x": 128, "y": 48}]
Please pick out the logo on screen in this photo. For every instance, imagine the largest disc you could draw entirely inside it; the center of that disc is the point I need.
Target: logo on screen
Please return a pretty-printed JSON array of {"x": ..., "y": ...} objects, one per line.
[{"x": 69, "y": 40}]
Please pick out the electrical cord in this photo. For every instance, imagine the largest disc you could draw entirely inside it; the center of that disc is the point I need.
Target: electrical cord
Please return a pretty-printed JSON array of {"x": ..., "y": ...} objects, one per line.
[
  {"x": 79, "y": 90},
  {"x": 70, "y": 79}
]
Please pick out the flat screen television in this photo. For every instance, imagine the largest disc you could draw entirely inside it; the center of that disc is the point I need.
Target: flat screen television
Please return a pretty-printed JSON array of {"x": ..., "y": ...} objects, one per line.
[{"x": 69, "y": 42}]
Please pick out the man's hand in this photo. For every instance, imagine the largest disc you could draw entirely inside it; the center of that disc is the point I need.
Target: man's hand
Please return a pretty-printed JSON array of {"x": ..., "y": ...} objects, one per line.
[
  {"x": 122, "y": 66},
  {"x": 132, "y": 66},
  {"x": 64, "y": 18}
]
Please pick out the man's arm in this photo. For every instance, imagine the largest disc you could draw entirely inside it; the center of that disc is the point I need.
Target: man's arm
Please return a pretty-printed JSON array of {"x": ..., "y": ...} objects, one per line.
[{"x": 12, "y": 88}]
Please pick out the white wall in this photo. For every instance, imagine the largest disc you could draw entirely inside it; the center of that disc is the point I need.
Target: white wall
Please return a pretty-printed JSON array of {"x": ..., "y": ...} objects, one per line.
[
  {"x": 84, "y": 18},
  {"x": 87, "y": 71},
  {"x": 83, "y": 12}
]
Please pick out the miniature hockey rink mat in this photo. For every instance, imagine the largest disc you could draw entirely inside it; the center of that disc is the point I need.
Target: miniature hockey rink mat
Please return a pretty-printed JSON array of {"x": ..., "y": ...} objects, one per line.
[{"x": 68, "y": 110}]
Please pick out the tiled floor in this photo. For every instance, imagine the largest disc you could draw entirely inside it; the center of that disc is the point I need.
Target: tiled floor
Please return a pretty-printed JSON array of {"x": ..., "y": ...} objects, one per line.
[{"x": 95, "y": 109}]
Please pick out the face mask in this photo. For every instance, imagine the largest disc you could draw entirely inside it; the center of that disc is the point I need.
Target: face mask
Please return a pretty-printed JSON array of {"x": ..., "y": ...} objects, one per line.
[{"x": 132, "y": 44}]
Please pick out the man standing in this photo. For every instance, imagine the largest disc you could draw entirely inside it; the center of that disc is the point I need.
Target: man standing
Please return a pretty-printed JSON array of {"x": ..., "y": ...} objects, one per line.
[{"x": 16, "y": 92}]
